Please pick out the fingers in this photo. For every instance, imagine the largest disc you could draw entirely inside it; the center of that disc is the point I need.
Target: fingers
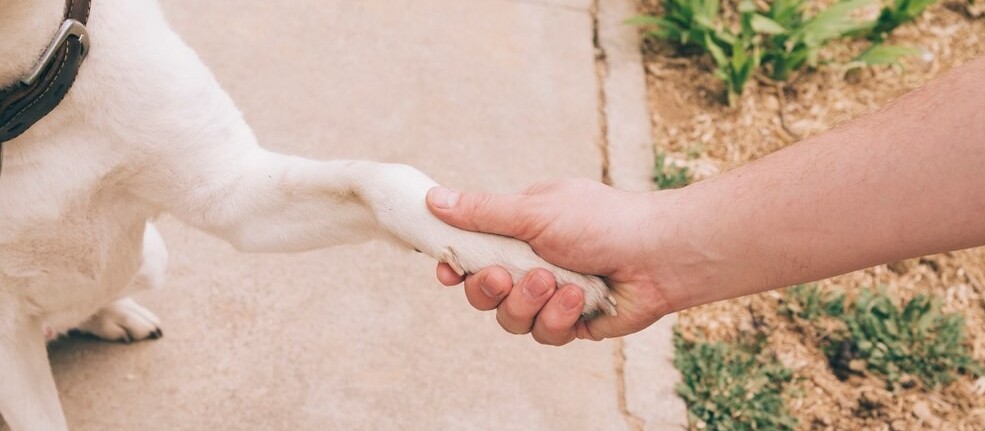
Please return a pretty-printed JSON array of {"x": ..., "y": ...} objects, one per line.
[
  {"x": 487, "y": 288},
  {"x": 556, "y": 323},
  {"x": 447, "y": 276},
  {"x": 518, "y": 310},
  {"x": 484, "y": 290},
  {"x": 633, "y": 317},
  {"x": 480, "y": 212},
  {"x": 533, "y": 305}
]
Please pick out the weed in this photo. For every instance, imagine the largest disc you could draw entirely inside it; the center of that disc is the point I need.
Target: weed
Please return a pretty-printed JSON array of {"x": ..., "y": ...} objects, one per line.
[
  {"x": 916, "y": 340},
  {"x": 810, "y": 302},
  {"x": 687, "y": 23},
  {"x": 798, "y": 40},
  {"x": 896, "y": 13},
  {"x": 694, "y": 25},
  {"x": 780, "y": 39},
  {"x": 668, "y": 175},
  {"x": 732, "y": 386},
  {"x": 880, "y": 54},
  {"x": 736, "y": 56},
  {"x": 880, "y": 337}
]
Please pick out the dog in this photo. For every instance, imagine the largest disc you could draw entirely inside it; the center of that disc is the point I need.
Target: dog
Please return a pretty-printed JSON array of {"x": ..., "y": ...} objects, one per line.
[{"x": 145, "y": 129}]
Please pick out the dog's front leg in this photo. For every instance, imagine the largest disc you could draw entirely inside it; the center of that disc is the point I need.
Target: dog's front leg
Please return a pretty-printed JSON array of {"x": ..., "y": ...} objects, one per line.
[
  {"x": 28, "y": 398},
  {"x": 265, "y": 202}
]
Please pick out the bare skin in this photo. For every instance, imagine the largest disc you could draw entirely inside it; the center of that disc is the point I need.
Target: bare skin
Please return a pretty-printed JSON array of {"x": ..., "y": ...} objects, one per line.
[{"x": 906, "y": 181}]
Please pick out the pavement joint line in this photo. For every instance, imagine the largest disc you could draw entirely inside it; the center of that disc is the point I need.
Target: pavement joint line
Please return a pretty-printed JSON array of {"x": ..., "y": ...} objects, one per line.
[
  {"x": 600, "y": 74},
  {"x": 643, "y": 363},
  {"x": 633, "y": 422}
]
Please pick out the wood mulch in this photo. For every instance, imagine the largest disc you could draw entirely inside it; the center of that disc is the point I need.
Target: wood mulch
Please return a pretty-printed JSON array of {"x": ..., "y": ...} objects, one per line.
[{"x": 693, "y": 127}]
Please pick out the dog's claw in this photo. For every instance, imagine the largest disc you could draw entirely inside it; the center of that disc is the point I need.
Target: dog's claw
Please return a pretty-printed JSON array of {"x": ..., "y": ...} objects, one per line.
[{"x": 123, "y": 321}]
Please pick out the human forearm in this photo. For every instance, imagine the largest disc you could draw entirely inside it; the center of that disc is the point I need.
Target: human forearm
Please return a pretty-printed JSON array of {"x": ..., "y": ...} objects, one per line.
[{"x": 906, "y": 181}]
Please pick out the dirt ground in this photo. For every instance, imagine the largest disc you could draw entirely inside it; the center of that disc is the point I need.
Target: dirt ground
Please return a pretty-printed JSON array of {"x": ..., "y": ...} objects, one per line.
[{"x": 691, "y": 124}]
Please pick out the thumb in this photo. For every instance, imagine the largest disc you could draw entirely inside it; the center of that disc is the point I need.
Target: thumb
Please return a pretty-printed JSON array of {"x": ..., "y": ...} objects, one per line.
[
  {"x": 605, "y": 326},
  {"x": 480, "y": 212},
  {"x": 599, "y": 328}
]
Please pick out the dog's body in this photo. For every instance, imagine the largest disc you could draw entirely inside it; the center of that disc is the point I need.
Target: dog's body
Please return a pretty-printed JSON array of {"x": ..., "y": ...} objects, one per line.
[{"x": 145, "y": 130}]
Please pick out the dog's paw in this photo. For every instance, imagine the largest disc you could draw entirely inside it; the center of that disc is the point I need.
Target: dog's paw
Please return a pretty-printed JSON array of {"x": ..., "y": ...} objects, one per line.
[
  {"x": 397, "y": 195},
  {"x": 125, "y": 321},
  {"x": 598, "y": 298},
  {"x": 476, "y": 251}
]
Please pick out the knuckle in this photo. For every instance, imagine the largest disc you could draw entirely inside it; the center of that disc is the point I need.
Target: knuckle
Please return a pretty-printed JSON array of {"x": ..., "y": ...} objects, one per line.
[
  {"x": 554, "y": 325},
  {"x": 477, "y": 204},
  {"x": 541, "y": 339},
  {"x": 510, "y": 315},
  {"x": 478, "y": 301},
  {"x": 549, "y": 339},
  {"x": 508, "y": 324},
  {"x": 588, "y": 335}
]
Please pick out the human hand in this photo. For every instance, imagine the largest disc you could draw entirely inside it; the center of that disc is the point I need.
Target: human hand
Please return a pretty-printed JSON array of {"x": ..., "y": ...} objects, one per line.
[{"x": 580, "y": 225}]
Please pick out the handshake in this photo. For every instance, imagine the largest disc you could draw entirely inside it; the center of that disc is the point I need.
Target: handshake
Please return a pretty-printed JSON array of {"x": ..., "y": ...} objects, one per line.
[{"x": 822, "y": 207}]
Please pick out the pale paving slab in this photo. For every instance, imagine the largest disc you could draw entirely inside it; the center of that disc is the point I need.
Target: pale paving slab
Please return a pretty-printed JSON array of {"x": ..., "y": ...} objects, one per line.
[
  {"x": 483, "y": 94},
  {"x": 649, "y": 373},
  {"x": 584, "y": 5}
]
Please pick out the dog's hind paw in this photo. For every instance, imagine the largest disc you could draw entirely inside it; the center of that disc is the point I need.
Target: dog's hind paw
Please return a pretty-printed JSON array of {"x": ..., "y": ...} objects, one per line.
[{"x": 124, "y": 321}]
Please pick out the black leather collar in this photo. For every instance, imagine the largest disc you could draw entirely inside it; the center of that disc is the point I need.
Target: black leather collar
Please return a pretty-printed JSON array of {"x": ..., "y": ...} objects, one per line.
[{"x": 28, "y": 101}]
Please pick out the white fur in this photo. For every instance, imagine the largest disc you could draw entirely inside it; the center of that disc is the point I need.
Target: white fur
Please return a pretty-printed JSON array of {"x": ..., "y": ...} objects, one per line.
[{"x": 146, "y": 129}]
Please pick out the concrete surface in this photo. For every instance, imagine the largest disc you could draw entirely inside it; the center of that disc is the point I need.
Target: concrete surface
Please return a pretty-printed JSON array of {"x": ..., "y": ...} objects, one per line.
[
  {"x": 649, "y": 375},
  {"x": 480, "y": 94},
  {"x": 629, "y": 138}
]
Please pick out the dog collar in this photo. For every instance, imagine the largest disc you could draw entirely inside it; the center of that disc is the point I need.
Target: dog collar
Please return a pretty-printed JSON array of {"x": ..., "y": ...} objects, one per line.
[{"x": 34, "y": 96}]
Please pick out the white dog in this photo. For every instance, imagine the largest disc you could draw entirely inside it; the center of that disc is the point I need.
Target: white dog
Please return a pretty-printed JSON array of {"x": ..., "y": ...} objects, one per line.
[{"x": 146, "y": 129}]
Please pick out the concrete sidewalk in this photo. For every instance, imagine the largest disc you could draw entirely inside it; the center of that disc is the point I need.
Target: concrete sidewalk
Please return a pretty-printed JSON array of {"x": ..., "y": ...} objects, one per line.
[{"x": 479, "y": 94}]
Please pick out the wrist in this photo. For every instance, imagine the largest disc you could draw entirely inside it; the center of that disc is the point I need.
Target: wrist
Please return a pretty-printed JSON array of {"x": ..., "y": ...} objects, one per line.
[{"x": 683, "y": 256}]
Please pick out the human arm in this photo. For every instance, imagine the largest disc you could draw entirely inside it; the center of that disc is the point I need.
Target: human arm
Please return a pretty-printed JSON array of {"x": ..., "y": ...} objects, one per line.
[{"x": 905, "y": 181}]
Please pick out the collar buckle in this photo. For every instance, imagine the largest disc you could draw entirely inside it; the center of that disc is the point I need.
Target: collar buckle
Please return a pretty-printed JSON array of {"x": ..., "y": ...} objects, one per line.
[{"x": 69, "y": 28}]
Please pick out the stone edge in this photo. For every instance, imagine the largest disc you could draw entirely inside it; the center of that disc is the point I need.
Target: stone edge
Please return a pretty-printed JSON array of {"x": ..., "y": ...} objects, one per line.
[{"x": 648, "y": 371}]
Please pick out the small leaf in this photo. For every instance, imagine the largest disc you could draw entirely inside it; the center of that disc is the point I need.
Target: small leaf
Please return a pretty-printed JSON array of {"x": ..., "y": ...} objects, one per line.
[
  {"x": 885, "y": 54},
  {"x": 762, "y": 24},
  {"x": 716, "y": 51},
  {"x": 706, "y": 11},
  {"x": 836, "y": 21},
  {"x": 645, "y": 20}
]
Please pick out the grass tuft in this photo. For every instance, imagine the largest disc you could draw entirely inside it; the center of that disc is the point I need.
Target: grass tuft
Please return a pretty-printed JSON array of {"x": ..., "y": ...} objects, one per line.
[
  {"x": 732, "y": 386},
  {"x": 875, "y": 335},
  {"x": 668, "y": 176}
]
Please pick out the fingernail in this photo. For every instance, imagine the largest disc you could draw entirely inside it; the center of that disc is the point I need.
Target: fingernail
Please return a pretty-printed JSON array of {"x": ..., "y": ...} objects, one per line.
[
  {"x": 570, "y": 300},
  {"x": 488, "y": 290},
  {"x": 535, "y": 288},
  {"x": 443, "y": 197}
]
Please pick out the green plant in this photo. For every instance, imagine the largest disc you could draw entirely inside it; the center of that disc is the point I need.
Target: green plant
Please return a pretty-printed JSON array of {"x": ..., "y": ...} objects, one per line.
[
  {"x": 916, "y": 339},
  {"x": 798, "y": 39},
  {"x": 695, "y": 25},
  {"x": 736, "y": 55},
  {"x": 880, "y": 54},
  {"x": 668, "y": 175},
  {"x": 780, "y": 39},
  {"x": 732, "y": 386},
  {"x": 809, "y": 302},
  {"x": 894, "y": 14},
  {"x": 877, "y": 336},
  {"x": 685, "y": 23}
]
